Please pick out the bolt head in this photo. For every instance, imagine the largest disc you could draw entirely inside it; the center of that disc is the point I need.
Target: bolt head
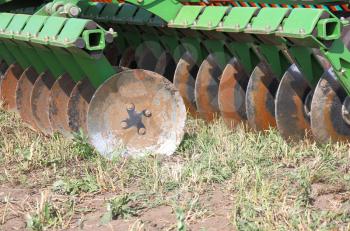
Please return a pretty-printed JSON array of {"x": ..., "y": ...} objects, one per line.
[
  {"x": 142, "y": 131},
  {"x": 130, "y": 107},
  {"x": 147, "y": 113},
  {"x": 124, "y": 124}
]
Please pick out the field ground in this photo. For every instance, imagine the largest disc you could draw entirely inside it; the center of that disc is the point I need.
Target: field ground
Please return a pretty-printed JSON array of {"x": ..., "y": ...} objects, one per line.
[{"x": 218, "y": 180}]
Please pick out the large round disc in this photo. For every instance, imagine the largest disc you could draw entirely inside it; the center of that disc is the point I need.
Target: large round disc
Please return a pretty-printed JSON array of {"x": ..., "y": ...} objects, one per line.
[
  {"x": 327, "y": 120},
  {"x": 40, "y": 100},
  {"x": 166, "y": 66},
  {"x": 232, "y": 91},
  {"x": 260, "y": 104},
  {"x": 8, "y": 86},
  {"x": 207, "y": 88},
  {"x": 58, "y": 106},
  {"x": 138, "y": 110},
  {"x": 23, "y": 92},
  {"x": 78, "y": 105},
  {"x": 128, "y": 58},
  {"x": 293, "y": 101},
  {"x": 184, "y": 80}
]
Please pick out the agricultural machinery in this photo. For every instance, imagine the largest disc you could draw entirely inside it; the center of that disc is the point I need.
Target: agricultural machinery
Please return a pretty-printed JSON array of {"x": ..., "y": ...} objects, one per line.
[{"x": 126, "y": 73}]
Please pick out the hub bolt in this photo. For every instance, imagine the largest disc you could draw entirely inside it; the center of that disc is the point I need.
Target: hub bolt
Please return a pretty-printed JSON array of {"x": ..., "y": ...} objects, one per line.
[
  {"x": 130, "y": 107},
  {"x": 124, "y": 124},
  {"x": 147, "y": 113},
  {"x": 142, "y": 131}
]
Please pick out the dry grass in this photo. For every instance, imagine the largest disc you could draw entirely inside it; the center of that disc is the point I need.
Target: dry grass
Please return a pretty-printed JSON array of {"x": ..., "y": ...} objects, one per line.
[{"x": 265, "y": 183}]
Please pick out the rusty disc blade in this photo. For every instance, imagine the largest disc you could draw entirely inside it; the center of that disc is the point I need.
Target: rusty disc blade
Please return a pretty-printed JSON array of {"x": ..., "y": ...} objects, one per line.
[
  {"x": 128, "y": 59},
  {"x": 184, "y": 80},
  {"x": 232, "y": 91},
  {"x": 40, "y": 101},
  {"x": 166, "y": 66},
  {"x": 260, "y": 104},
  {"x": 78, "y": 105},
  {"x": 136, "y": 112},
  {"x": 8, "y": 86},
  {"x": 207, "y": 88},
  {"x": 23, "y": 92},
  {"x": 328, "y": 110},
  {"x": 58, "y": 105},
  {"x": 293, "y": 101}
]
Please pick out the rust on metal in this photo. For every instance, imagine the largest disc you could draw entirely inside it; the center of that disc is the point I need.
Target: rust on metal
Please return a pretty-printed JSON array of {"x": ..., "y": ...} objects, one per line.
[
  {"x": 232, "y": 91},
  {"x": 23, "y": 92},
  {"x": 78, "y": 105},
  {"x": 8, "y": 86},
  {"x": 260, "y": 102},
  {"x": 327, "y": 122},
  {"x": 292, "y": 113},
  {"x": 184, "y": 81},
  {"x": 117, "y": 115},
  {"x": 40, "y": 100},
  {"x": 58, "y": 107},
  {"x": 207, "y": 88}
]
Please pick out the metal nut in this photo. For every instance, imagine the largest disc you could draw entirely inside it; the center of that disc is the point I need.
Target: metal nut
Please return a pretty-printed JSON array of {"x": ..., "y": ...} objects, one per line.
[
  {"x": 142, "y": 131},
  {"x": 130, "y": 106},
  {"x": 124, "y": 124},
  {"x": 147, "y": 113}
]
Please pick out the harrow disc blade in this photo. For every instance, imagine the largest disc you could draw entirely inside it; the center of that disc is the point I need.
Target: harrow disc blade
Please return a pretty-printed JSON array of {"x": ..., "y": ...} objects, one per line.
[
  {"x": 207, "y": 87},
  {"x": 58, "y": 105},
  {"x": 40, "y": 100},
  {"x": 232, "y": 91},
  {"x": 23, "y": 92},
  {"x": 146, "y": 58},
  {"x": 139, "y": 111},
  {"x": 8, "y": 86},
  {"x": 293, "y": 102},
  {"x": 128, "y": 59},
  {"x": 184, "y": 81},
  {"x": 166, "y": 66},
  {"x": 330, "y": 111},
  {"x": 260, "y": 104},
  {"x": 78, "y": 105},
  {"x": 3, "y": 68}
]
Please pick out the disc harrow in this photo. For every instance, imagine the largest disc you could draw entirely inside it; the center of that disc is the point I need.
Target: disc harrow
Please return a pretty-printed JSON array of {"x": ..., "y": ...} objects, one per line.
[{"x": 124, "y": 73}]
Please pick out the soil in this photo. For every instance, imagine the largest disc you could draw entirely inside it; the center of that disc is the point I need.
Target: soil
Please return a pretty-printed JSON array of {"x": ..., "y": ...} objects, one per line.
[{"x": 217, "y": 207}]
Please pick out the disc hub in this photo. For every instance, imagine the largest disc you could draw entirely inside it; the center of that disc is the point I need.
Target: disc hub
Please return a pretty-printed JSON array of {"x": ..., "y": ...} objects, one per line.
[
  {"x": 307, "y": 104},
  {"x": 346, "y": 110},
  {"x": 134, "y": 119}
]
